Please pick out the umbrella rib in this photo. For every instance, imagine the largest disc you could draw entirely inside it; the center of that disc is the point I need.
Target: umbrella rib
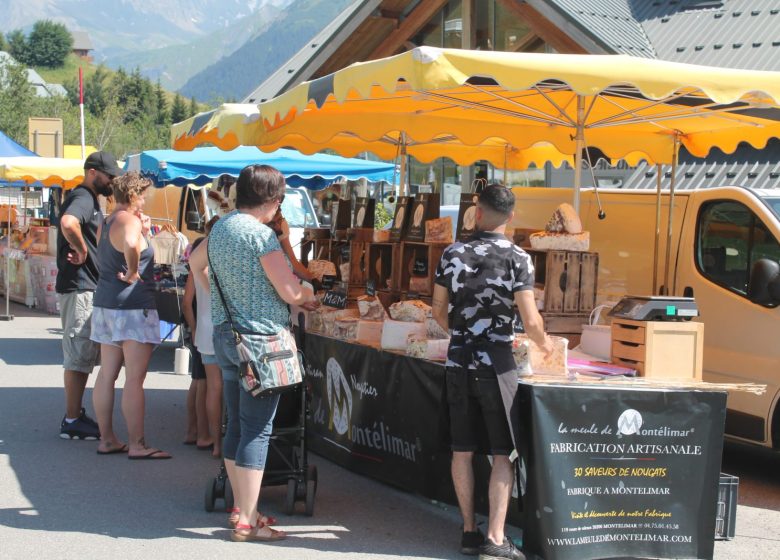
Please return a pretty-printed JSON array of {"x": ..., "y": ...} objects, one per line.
[
  {"x": 625, "y": 111},
  {"x": 560, "y": 110},
  {"x": 721, "y": 113},
  {"x": 463, "y": 104},
  {"x": 524, "y": 106}
]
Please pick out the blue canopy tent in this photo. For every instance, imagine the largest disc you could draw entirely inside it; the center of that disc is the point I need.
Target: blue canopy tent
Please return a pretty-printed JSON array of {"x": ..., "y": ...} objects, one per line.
[
  {"x": 202, "y": 165},
  {"x": 9, "y": 148}
]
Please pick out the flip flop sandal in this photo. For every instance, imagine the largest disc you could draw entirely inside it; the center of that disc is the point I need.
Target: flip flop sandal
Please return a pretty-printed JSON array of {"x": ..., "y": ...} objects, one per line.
[
  {"x": 121, "y": 449},
  {"x": 252, "y": 535},
  {"x": 152, "y": 454}
]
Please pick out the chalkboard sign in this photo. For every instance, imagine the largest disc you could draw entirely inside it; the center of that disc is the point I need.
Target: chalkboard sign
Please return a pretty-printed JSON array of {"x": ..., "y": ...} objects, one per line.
[
  {"x": 420, "y": 267},
  {"x": 370, "y": 287},
  {"x": 335, "y": 299},
  {"x": 327, "y": 281}
]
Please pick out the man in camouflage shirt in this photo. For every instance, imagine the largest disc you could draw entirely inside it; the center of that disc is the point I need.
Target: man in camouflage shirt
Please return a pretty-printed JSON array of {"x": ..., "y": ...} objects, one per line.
[{"x": 478, "y": 285}]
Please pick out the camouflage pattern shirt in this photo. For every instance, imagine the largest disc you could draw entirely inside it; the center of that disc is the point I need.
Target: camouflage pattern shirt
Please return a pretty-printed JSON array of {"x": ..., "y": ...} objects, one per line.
[{"x": 482, "y": 276}]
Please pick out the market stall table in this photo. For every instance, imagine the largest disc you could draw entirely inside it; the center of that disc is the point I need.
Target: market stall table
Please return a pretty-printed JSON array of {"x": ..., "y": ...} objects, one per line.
[{"x": 379, "y": 413}]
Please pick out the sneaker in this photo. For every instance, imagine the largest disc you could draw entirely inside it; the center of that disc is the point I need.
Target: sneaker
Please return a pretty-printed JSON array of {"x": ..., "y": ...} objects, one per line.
[
  {"x": 83, "y": 427},
  {"x": 491, "y": 551},
  {"x": 470, "y": 542}
]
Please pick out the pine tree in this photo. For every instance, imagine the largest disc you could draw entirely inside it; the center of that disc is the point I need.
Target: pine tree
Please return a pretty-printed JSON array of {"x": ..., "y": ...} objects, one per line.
[
  {"x": 178, "y": 109},
  {"x": 161, "y": 105},
  {"x": 194, "y": 110}
]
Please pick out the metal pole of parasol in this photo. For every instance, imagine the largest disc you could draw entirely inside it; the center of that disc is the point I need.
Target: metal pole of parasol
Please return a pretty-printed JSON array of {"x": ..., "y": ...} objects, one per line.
[
  {"x": 658, "y": 171},
  {"x": 81, "y": 112},
  {"x": 580, "y": 145},
  {"x": 404, "y": 162},
  {"x": 671, "y": 216},
  {"x": 8, "y": 316}
]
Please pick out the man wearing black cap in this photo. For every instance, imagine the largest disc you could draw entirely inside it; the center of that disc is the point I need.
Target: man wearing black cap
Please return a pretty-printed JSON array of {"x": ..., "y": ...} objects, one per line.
[{"x": 80, "y": 219}]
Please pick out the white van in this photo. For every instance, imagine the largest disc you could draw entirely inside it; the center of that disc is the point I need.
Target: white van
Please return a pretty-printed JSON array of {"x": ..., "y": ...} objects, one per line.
[
  {"x": 725, "y": 251},
  {"x": 186, "y": 208}
]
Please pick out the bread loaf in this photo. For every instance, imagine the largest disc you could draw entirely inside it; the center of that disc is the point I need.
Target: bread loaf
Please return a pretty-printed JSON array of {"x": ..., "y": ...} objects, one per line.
[
  {"x": 320, "y": 268},
  {"x": 346, "y": 328},
  {"x": 371, "y": 309},
  {"x": 438, "y": 230},
  {"x": 420, "y": 347},
  {"x": 414, "y": 311},
  {"x": 564, "y": 220}
]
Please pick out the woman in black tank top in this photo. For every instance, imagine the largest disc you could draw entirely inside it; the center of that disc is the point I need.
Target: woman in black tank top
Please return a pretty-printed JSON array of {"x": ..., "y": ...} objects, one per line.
[{"x": 124, "y": 318}]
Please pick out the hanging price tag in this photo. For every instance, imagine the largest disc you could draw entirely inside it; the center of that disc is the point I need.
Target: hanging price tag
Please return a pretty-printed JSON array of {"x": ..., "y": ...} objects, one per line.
[{"x": 370, "y": 287}]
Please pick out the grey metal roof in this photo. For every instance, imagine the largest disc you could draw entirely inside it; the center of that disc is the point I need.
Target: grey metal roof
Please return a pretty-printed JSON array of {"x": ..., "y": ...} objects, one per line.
[
  {"x": 81, "y": 41},
  {"x": 728, "y": 33},
  {"x": 306, "y": 61},
  {"x": 747, "y": 167},
  {"x": 739, "y": 34},
  {"x": 611, "y": 22}
]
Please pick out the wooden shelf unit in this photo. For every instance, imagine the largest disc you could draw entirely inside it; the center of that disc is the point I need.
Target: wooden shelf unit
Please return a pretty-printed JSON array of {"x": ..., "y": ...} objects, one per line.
[
  {"x": 659, "y": 349},
  {"x": 384, "y": 264},
  {"x": 413, "y": 250}
]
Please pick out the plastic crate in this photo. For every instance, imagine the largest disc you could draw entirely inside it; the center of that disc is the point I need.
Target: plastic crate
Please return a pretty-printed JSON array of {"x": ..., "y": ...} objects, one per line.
[{"x": 726, "y": 512}]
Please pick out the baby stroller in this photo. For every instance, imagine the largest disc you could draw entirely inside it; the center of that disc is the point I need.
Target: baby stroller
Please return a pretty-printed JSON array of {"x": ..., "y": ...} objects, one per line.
[{"x": 287, "y": 461}]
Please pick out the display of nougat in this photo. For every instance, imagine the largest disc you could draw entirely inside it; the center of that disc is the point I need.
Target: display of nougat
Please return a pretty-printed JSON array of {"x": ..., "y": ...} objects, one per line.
[
  {"x": 371, "y": 309},
  {"x": 421, "y": 347},
  {"x": 411, "y": 311}
]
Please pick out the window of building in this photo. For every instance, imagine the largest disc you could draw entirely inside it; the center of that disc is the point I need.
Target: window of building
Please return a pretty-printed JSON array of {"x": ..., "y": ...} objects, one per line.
[{"x": 731, "y": 239}]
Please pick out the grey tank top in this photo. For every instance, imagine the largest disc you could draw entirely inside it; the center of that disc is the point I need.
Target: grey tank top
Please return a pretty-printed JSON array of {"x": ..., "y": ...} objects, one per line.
[{"x": 113, "y": 293}]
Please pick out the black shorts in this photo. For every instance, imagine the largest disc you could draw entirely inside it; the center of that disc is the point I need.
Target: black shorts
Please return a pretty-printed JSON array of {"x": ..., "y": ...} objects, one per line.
[
  {"x": 478, "y": 420},
  {"x": 196, "y": 364}
]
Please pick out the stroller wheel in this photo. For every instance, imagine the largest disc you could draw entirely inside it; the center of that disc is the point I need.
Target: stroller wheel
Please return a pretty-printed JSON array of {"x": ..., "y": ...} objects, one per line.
[
  {"x": 228, "y": 494},
  {"x": 209, "y": 498},
  {"x": 289, "y": 502},
  {"x": 311, "y": 489}
]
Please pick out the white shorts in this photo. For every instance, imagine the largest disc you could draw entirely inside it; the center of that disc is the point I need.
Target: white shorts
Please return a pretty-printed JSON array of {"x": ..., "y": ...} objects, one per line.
[{"x": 114, "y": 326}]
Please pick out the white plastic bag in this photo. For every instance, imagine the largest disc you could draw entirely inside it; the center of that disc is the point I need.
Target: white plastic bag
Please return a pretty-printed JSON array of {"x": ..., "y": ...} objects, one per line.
[{"x": 597, "y": 339}]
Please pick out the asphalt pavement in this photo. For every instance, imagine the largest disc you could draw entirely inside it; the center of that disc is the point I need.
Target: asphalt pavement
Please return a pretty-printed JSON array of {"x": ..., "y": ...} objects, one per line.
[{"x": 59, "y": 499}]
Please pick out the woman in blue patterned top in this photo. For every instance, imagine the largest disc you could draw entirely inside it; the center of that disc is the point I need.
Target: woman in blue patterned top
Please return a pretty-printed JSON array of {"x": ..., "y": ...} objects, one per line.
[{"x": 257, "y": 284}]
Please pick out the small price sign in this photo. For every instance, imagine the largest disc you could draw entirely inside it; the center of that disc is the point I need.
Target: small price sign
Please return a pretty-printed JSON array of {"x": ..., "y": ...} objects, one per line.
[
  {"x": 370, "y": 287},
  {"x": 420, "y": 267},
  {"x": 335, "y": 299},
  {"x": 328, "y": 280}
]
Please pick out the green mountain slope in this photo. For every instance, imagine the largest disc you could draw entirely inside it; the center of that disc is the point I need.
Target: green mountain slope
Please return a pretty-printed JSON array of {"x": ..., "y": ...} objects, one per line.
[
  {"x": 236, "y": 75},
  {"x": 176, "y": 64}
]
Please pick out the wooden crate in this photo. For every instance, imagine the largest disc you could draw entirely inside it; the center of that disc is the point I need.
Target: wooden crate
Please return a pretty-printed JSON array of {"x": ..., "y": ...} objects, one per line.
[
  {"x": 569, "y": 278},
  {"x": 384, "y": 264},
  {"x": 414, "y": 250},
  {"x": 659, "y": 349},
  {"x": 358, "y": 262},
  {"x": 564, "y": 324}
]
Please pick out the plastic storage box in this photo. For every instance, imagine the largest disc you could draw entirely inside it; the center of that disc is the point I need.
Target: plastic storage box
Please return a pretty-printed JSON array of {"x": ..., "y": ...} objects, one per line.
[{"x": 726, "y": 512}]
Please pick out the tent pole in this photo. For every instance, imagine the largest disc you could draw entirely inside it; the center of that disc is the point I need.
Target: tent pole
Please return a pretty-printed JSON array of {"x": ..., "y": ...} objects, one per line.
[
  {"x": 658, "y": 171},
  {"x": 670, "y": 230},
  {"x": 403, "y": 186},
  {"x": 8, "y": 316},
  {"x": 580, "y": 145}
]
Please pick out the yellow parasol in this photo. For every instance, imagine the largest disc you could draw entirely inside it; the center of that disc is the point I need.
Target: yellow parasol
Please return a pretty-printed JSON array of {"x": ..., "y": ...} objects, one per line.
[{"x": 42, "y": 171}]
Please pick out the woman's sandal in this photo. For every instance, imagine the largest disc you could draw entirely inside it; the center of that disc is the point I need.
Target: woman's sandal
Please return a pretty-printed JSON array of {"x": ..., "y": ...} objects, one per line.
[
  {"x": 246, "y": 533},
  {"x": 234, "y": 513}
]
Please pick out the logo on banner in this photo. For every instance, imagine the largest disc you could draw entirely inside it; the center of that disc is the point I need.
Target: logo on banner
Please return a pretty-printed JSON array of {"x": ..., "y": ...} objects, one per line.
[
  {"x": 630, "y": 422},
  {"x": 339, "y": 397}
]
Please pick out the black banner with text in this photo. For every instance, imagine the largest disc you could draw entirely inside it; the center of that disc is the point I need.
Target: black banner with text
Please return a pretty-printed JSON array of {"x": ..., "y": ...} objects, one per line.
[{"x": 622, "y": 472}]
